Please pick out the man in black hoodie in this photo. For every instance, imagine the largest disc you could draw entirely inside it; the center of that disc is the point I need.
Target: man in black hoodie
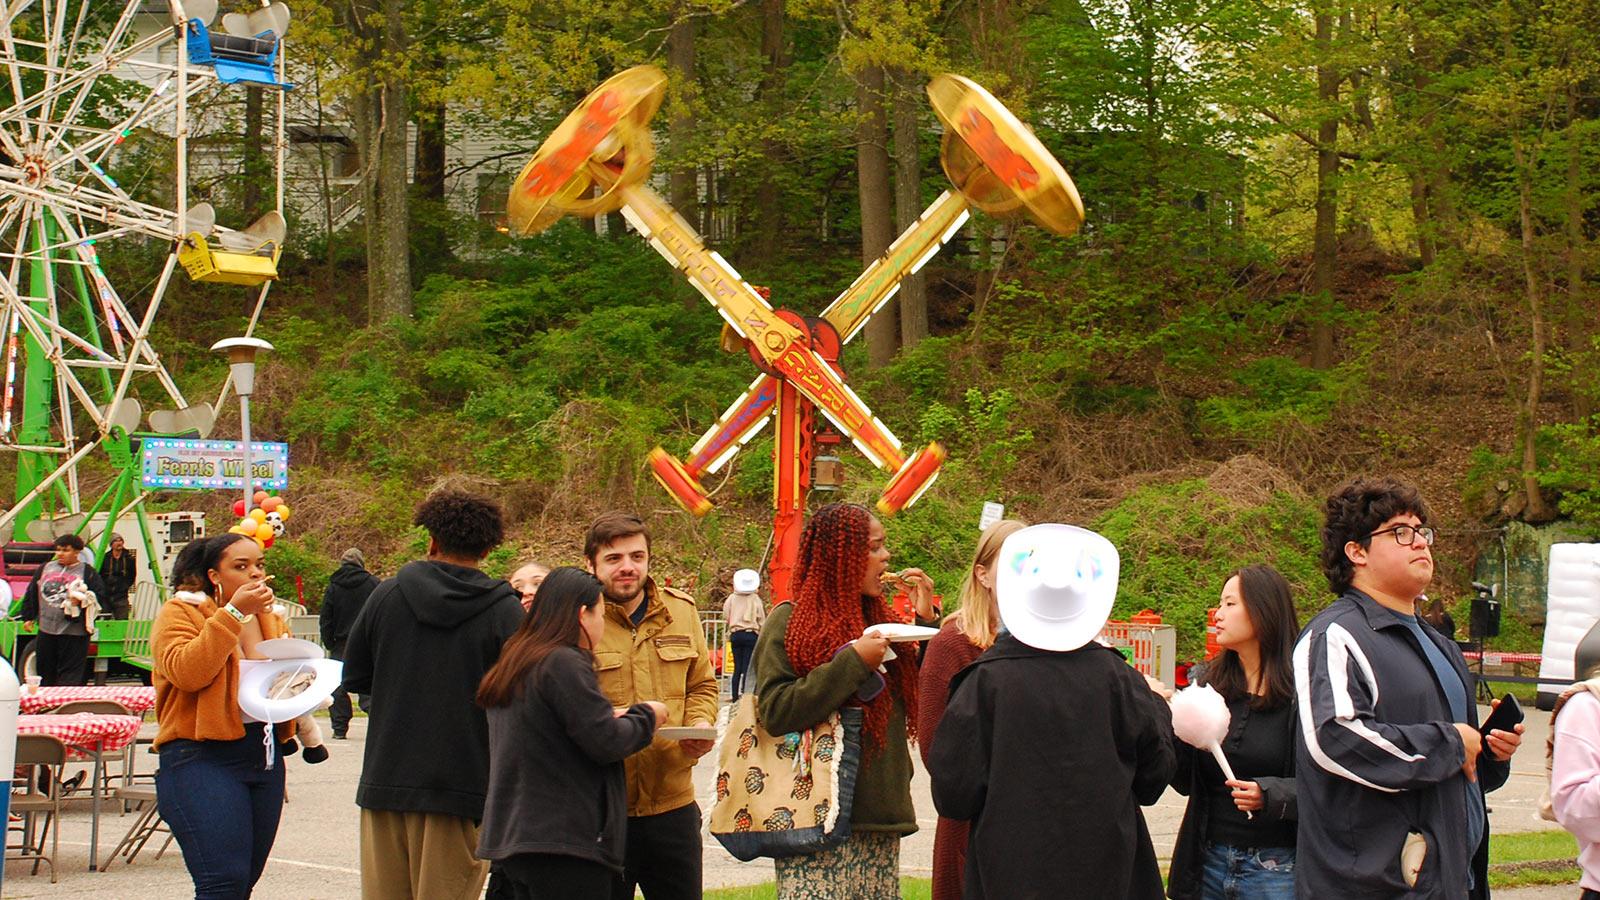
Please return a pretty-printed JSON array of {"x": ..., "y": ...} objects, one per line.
[
  {"x": 420, "y": 646},
  {"x": 348, "y": 589}
]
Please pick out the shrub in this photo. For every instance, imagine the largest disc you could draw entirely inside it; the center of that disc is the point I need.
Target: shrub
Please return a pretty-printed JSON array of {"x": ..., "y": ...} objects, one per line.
[{"x": 1179, "y": 541}]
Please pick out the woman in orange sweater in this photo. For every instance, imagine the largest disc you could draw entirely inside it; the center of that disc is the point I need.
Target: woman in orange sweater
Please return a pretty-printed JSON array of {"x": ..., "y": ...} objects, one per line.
[{"x": 215, "y": 787}]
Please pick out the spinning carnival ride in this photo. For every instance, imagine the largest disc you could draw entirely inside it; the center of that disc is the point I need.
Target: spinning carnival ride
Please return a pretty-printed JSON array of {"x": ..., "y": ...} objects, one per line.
[
  {"x": 604, "y": 149},
  {"x": 81, "y": 78}
]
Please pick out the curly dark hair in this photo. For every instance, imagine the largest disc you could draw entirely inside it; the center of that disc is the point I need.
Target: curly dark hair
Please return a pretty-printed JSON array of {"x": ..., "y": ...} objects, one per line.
[
  {"x": 1354, "y": 512},
  {"x": 462, "y": 524}
]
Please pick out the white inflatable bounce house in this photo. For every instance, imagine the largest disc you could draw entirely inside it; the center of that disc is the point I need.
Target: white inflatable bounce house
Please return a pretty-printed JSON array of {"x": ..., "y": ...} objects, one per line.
[{"x": 1572, "y": 607}]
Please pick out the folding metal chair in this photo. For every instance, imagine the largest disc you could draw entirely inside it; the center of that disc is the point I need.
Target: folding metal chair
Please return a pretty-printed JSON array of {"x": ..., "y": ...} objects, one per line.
[
  {"x": 146, "y": 826},
  {"x": 36, "y": 752}
]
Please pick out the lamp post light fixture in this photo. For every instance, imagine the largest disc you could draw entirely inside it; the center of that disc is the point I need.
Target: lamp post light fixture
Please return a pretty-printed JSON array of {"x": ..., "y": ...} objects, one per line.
[{"x": 241, "y": 353}]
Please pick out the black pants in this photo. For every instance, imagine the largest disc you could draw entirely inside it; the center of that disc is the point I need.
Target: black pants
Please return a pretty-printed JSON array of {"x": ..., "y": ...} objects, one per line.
[
  {"x": 1589, "y": 895},
  {"x": 537, "y": 876},
  {"x": 744, "y": 645},
  {"x": 118, "y": 604},
  {"x": 61, "y": 658},
  {"x": 662, "y": 856}
]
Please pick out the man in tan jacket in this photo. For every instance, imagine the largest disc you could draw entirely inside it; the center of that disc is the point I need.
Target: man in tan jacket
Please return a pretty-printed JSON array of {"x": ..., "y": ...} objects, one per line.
[{"x": 653, "y": 649}]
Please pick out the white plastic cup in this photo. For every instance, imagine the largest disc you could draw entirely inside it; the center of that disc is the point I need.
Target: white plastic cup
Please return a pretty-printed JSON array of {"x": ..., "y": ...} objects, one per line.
[{"x": 34, "y": 681}]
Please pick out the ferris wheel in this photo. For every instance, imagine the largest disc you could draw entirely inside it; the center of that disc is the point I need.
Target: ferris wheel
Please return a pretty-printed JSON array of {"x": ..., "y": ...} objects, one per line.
[{"x": 83, "y": 82}]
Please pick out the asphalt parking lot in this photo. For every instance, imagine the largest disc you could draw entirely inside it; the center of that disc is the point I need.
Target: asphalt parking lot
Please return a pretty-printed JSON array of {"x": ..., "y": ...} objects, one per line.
[{"x": 316, "y": 854}]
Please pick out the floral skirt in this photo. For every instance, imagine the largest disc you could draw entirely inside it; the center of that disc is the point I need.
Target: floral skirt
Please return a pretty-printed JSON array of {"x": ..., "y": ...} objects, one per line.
[{"x": 865, "y": 867}]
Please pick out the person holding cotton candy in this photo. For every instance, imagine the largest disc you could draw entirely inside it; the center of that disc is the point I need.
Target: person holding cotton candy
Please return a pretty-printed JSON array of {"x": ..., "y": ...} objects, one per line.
[{"x": 1235, "y": 748}]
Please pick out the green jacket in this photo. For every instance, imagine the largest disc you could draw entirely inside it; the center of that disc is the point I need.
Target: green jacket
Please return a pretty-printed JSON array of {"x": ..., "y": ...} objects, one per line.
[{"x": 786, "y": 702}]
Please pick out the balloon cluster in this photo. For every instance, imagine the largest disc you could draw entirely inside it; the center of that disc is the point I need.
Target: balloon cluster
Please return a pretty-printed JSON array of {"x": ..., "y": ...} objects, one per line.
[{"x": 264, "y": 521}]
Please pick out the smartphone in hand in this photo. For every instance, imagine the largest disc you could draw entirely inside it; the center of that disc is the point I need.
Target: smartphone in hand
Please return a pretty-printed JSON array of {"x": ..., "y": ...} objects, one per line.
[{"x": 1504, "y": 718}]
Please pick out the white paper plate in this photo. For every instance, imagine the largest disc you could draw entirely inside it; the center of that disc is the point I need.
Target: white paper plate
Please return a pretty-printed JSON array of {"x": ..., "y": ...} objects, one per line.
[
  {"x": 897, "y": 632},
  {"x": 688, "y": 733},
  {"x": 290, "y": 648}
]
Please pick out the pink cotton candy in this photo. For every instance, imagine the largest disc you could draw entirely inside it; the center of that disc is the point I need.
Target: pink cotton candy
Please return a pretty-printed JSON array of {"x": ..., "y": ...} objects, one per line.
[{"x": 1200, "y": 717}]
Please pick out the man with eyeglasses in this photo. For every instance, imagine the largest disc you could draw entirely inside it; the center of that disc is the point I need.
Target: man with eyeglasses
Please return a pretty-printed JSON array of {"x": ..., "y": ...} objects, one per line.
[{"x": 1390, "y": 768}]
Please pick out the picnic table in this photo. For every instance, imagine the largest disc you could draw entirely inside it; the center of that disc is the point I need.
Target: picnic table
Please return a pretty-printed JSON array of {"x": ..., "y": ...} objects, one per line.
[
  {"x": 137, "y": 698},
  {"x": 92, "y": 735}
]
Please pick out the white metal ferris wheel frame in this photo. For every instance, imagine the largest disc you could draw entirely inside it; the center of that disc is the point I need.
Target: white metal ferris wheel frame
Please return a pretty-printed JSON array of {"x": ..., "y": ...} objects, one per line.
[{"x": 36, "y": 131}]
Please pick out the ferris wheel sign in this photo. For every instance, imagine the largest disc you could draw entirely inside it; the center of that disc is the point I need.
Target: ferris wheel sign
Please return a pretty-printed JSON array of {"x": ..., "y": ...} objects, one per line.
[{"x": 178, "y": 465}]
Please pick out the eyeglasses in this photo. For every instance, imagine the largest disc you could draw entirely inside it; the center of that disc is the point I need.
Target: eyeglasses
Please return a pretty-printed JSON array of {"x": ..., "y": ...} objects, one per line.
[{"x": 1406, "y": 535}]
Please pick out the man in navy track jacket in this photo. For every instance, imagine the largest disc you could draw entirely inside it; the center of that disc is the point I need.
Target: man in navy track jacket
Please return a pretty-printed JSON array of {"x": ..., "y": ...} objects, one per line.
[{"x": 1391, "y": 769}]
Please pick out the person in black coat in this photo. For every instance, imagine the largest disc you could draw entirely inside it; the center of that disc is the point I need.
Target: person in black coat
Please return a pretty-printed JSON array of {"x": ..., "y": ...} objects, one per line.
[
  {"x": 554, "y": 823},
  {"x": 348, "y": 589},
  {"x": 420, "y": 647},
  {"x": 1050, "y": 750},
  {"x": 118, "y": 571}
]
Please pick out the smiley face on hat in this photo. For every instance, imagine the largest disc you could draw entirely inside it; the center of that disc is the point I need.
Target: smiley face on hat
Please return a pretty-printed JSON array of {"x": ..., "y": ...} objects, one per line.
[{"x": 1056, "y": 585}]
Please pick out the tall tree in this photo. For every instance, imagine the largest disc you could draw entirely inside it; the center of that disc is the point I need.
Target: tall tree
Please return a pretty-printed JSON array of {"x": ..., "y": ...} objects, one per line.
[
  {"x": 382, "y": 109},
  {"x": 1325, "y": 234},
  {"x": 913, "y": 295},
  {"x": 876, "y": 194}
]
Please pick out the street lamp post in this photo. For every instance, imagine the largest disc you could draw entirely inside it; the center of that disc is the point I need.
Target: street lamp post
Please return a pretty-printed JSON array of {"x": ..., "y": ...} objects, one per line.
[{"x": 242, "y": 365}]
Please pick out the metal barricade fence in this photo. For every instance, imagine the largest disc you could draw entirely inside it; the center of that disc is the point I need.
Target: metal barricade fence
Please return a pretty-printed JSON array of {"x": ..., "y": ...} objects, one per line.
[{"x": 1153, "y": 649}]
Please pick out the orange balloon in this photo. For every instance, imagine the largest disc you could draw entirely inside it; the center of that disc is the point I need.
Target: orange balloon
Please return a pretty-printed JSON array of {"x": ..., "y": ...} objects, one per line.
[
  {"x": 271, "y": 503},
  {"x": 259, "y": 496}
]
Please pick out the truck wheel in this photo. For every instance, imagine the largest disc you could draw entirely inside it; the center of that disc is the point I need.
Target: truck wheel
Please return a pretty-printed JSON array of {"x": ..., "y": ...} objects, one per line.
[{"x": 28, "y": 663}]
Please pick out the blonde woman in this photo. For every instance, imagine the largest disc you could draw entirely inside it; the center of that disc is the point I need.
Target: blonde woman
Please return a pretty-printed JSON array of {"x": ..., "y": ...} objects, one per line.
[{"x": 966, "y": 634}]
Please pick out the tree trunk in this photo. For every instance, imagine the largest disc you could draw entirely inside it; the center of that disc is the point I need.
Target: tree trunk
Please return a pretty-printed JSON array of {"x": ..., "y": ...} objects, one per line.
[
  {"x": 384, "y": 111},
  {"x": 1533, "y": 287},
  {"x": 913, "y": 296},
  {"x": 1577, "y": 317},
  {"x": 682, "y": 190},
  {"x": 257, "y": 169},
  {"x": 431, "y": 223},
  {"x": 876, "y": 195},
  {"x": 1420, "y": 219},
  {"x": 769, "y": 205},
  {"x": 1325, "y": 247}
]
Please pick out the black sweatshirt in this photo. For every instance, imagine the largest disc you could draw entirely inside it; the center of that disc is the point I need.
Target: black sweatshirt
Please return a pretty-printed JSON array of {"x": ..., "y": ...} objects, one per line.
[
  {"x": 420, "y": 646},
  {"x": 555, "y": 765}
]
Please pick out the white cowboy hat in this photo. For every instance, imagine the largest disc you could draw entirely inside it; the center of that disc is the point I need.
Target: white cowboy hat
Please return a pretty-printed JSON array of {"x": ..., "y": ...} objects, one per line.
[
  {"x": 286, "y": 655},
  {"x": 1055, "y": 585},
  {"x": 747, "y": 581}
]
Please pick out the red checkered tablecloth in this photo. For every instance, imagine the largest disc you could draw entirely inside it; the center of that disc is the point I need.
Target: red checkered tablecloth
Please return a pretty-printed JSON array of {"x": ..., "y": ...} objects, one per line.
[
  {"x": 82, "y": 730},
  {"x": 138, "y": 698}
]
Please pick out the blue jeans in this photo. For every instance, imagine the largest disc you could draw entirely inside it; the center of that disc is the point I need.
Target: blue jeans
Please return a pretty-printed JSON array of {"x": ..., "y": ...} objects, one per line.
[
  {"x": 1256, "y": 873},
  {"x": 223, "y": 806}
]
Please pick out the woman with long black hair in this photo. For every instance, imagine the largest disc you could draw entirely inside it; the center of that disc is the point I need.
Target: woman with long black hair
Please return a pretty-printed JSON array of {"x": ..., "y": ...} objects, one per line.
[
  {"x": 556, "y": 815},
  {"x": 1238, "y": 837}
]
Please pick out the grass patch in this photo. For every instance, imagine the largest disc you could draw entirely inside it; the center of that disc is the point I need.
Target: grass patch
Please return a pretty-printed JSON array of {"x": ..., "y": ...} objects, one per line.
[
  {"x": 1531, "y": 845},
  {"x": 1532, "y": 858},
  {"x": 910, "y": 889}
]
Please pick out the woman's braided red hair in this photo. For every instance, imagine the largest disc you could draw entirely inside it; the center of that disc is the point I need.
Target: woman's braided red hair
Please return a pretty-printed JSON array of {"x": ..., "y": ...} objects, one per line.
[{"x": 830, "y": 611}]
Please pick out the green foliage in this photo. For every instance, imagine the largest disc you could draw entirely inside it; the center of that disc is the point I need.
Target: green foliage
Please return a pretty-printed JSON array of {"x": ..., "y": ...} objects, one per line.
[
  {"x": 294, "y": 557},
  {"x": 1277, "y": 393},
  {"x": 1571, "y": 467},
  {"x": 1179, "y": 542}
]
